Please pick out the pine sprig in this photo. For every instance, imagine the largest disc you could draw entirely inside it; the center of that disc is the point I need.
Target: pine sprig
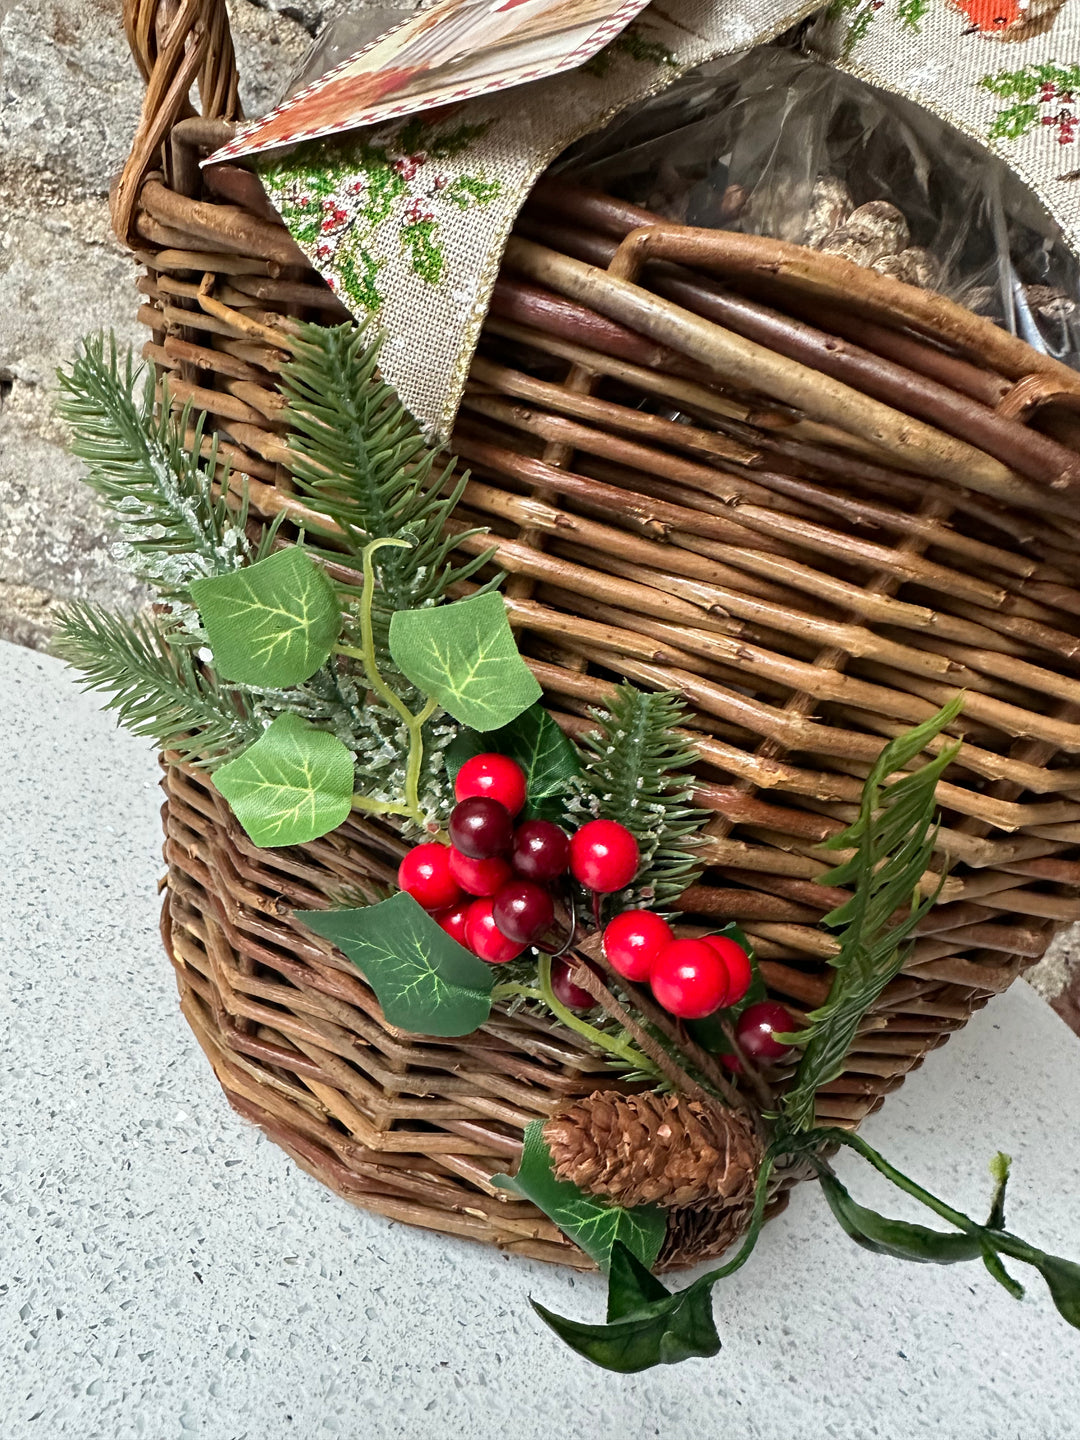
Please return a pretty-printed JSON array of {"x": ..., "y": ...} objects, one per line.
[
  {"x": 158, "y": 489},
  {"x": 640, "y": 773},
  {"x": 360, "y": 458},
  {"x": 894, "y": 839},
  {"x": 154, "y": 685}
]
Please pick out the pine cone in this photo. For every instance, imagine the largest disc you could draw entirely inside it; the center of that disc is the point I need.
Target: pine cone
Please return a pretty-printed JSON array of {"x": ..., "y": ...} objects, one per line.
[{"x": 655, "y": 1149}]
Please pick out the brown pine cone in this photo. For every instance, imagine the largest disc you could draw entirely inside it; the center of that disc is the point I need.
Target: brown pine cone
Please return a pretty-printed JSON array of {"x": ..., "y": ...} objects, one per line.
[{"x": 655, "y": 1149}]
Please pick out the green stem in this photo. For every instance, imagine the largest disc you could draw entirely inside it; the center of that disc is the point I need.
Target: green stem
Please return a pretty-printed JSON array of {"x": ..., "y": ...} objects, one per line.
[
  {"x": 753, "y": 1230},
  {"x": 622, "y": 1049},
  {"x": 901, "y": 1181},
  {"x": 505, "y": 991},
  {"x": 376, "y": 807},
  {"x": 414, "y": 724}
]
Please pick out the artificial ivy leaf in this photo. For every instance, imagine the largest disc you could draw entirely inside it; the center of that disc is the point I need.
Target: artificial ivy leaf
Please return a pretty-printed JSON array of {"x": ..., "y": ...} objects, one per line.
[
  {"x": 588, "y": 1222},
  {"x": 293, "y": 785},
  {"x": 678, "y": 1327},
  {"x": 632, "y": 1289},
  {"x": 272, "y": 623},
  {"x": 1063, "y": 1281},
  {"x": 536, "y": 741},
  {"x": 464, "y": 656},
  {"x": 897, "y": 1238},
  {"x": 425, "y": 982}
]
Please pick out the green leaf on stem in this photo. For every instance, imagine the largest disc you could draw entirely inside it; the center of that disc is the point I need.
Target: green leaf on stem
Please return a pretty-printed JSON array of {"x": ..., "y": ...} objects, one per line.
[
  {"x": 293, "y": 785},
  {"x": 425, "y": 981},
  {"x": 661, "y": 1331},
  {"x": 590, "y": 1223},
  {"x": 1063, "y": 1281},
  {"x": 898, "y": 1238},
  {"x": 271, "y": 624},
  {"x": 632, "y": 1288},
  {"x": 550, "y": 762},
  {"x": 464, "y": 656}
]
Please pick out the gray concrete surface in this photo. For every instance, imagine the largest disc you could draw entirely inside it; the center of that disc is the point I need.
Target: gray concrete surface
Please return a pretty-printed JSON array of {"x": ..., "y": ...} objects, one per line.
[{"x": 166, "y": 1272}]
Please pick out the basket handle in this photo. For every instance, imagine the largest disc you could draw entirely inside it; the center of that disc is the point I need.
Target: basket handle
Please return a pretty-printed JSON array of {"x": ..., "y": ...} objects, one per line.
[{"x": 175, "y": 43}]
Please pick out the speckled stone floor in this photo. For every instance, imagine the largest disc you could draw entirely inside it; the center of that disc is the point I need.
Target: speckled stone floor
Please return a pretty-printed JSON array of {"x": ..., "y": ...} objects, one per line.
[{"x": 165, "y": 1271}]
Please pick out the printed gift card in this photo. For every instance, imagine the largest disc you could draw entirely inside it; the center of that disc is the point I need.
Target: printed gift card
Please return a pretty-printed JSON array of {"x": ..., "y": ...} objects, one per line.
[{"x": 451, "y": 52}]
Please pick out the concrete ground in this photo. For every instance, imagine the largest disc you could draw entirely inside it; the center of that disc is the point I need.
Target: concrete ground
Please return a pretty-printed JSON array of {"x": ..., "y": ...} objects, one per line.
[{"x": 166, "y": 1272}]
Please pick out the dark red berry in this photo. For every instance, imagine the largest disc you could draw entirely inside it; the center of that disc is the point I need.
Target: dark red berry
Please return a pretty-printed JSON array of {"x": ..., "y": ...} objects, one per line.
[
  {"x": 541, "y": 851},
  {"x": 633, "y": 940},
  {"x": 425, "y": 874},
  {"x": 604, "y": 856},
  {"x": 479, "y": 877},
  {"x": 689, "y": 979},
  {"x": 495, "y": 776},
  {"x": 485, "y": 938},
  {"x": 480, "y": 827},
  {"x": 735, "y": 958},
  {"x": 571, "y": 995},
  {"x": 757, "y": 1029},
  {"x": 523, "y": 910},
  {"x": 453, "y": 921}
]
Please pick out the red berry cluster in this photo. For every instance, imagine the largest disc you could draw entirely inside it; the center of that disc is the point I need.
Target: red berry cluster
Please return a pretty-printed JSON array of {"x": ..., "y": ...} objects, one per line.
[
  {"x": 489, "y": 888},
  {"x": 690, "y": 978},
  {"x": 1063, "y": 118}
]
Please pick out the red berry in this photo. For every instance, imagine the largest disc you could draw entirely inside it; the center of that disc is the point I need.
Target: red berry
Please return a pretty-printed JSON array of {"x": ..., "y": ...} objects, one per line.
[
  {"x": 480, "y": 827},
  {"x": 571, "y": 995},
  {"x": 453, "y": 921},
  {"x": 479, "y": 877},
  {"x": 425, "y": 874},
  {"x": 737, "y": 962},
  {"x": 484, "y": 936},
  {"x": 689, "y": 979},
  {"x": 756, "y": 1027},
  {"x": 541, "y": 851},
  {"x": 523, "y": 910},
  {"x": 604, "y": 856},
  {"x": 495, "y": 776},
  {"x": 633, "y": 940}
]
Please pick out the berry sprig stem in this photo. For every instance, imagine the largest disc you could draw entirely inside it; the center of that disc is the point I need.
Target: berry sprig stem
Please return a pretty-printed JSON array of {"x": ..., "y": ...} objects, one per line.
[
  {"x": 414, "y": 724},
  {"x": 614, "y": 1045}
]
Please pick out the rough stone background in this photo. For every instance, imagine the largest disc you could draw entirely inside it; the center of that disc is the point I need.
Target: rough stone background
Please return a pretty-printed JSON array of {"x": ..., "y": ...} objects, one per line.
[{"x": 69, "y": 101}]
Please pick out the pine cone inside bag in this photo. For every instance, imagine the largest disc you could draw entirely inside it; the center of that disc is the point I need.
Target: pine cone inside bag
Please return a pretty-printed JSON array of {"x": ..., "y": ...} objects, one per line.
[{"x": 655, "y": 1149}]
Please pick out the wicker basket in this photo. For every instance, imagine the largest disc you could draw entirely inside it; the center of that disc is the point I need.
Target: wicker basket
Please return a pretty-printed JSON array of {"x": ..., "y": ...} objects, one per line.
[{"x": 817, "y": 537}]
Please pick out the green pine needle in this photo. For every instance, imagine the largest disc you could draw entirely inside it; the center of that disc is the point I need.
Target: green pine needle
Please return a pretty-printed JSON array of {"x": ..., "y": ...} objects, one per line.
[
  {"x": 360, "y": 458},
  {"x": 160, "y": 493},
  {"x": 640, "y": 770},
  {"x": 894, "y": 840},
  {"x": 154, "y": 686}
]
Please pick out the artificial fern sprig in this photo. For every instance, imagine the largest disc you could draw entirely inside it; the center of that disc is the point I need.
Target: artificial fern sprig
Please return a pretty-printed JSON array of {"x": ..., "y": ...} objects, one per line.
[
  {"x": 639, "y": 770},
  {"x": 160, "y": 492},
  {"x": 154, "y": 685},
  {"x": 360, "y": 458},
  {"x": 894, "y": 839}
]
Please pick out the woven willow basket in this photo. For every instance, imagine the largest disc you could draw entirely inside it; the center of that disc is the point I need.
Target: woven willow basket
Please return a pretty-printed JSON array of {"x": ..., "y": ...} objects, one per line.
[{"x": 812, "y": 568}]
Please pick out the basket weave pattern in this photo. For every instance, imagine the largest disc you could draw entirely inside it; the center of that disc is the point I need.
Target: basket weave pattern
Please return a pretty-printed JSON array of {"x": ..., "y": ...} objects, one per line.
[{"x": 694, "y": 486}]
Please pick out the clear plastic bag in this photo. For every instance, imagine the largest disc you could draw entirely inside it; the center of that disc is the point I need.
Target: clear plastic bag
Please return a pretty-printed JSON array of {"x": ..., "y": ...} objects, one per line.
[{"x": 773, "y": 142}]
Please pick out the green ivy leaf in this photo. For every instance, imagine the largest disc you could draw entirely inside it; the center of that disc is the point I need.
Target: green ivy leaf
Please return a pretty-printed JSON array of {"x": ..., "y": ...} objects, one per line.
[
  {"x": 1063, "y": 1281},
  {"x": 550, "y": 762},
  {"x": 655, "y": 1328},
  {"x": 588, "y": 1222},
  {"x": 898, "y": 1238},
  {"x": 272, "y": 623},
  {"x": 425, "y": 982},
  {"x": 293, "y": 785},
  {"x": 464, "y": 656}
]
